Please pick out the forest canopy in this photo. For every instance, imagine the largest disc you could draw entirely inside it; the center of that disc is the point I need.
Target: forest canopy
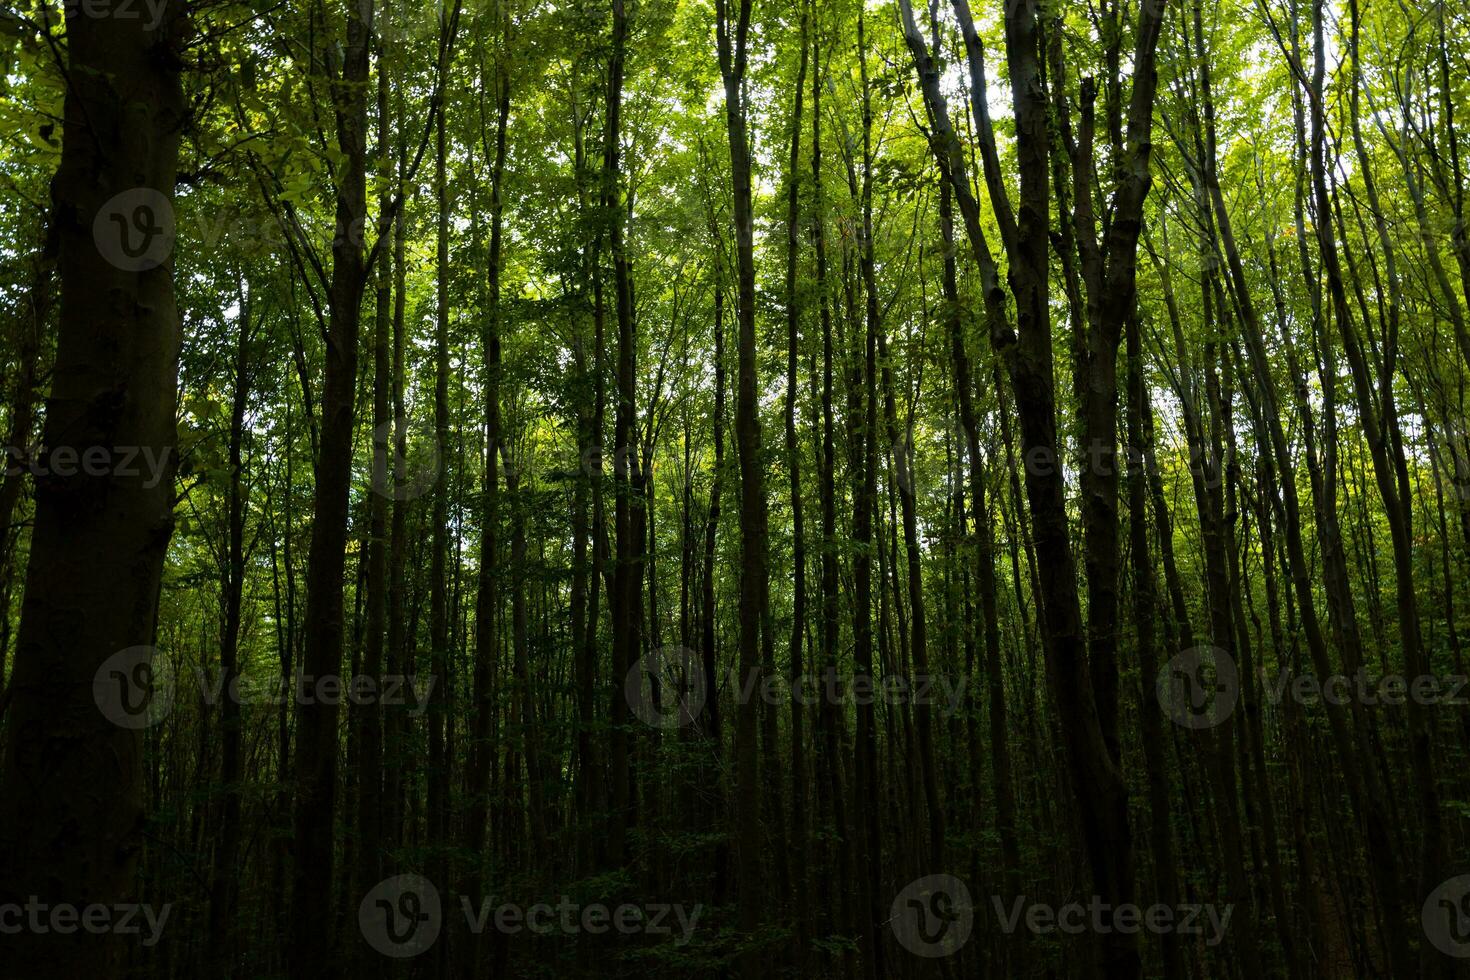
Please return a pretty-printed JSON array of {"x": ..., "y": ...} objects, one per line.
[{"x": 734, "y": 488}]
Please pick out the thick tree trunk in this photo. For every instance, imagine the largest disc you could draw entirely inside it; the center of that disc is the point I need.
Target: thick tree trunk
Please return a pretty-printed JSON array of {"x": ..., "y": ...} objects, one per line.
[{"x": 71, "y": 806}]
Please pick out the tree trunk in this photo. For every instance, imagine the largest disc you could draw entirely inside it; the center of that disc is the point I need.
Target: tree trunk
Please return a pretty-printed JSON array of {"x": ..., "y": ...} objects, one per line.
[
  {"x": 312, "y": 916},
  {"x": 732, "y": 54},
  {"x": 628, "y": 576},
  {"x": 799, "y": 839},
  {"x": 224, "y": 887},
  {"x": 71, "y": 807},
  {"x": 487, "y": 600}
]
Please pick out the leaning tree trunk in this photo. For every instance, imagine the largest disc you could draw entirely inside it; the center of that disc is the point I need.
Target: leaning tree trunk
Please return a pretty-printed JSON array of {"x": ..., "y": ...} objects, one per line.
[
  {"x": 22, "y": 421},
  {"x": 1379, "y": 423},
  {"x": 1097, "y": 784}
]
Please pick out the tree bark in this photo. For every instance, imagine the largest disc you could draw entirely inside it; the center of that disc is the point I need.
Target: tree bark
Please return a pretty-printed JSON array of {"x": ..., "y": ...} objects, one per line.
[
  {"x": 71, "y": 807},
  {"x": 732, "y": 37}
]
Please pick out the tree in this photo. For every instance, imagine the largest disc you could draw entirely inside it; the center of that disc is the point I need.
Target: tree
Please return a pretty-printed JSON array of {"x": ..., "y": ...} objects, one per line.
[{"x": 72, "y": 811}]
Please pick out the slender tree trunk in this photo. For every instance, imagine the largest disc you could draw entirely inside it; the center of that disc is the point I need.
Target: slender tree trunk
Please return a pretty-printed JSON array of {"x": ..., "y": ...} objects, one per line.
[
  {"x": 862, "y": 425},
  {"x": 1161, "y": 833},
  {"x": 1379, "y": 423},
  {"x": 628, "y": 577},
  {"x": 1000, "y": 755},
  {"x": 224, "y": 888},
  {"x": 397, "y": 659},
  {"x": 22, "y": 421},
  {"x": 830, "y": 721},
  {"x": 708, "y": 721},
  {"x": 438, "y": 776},
  {"x": 482, "y": 703},
  {"x": 732, "y": 37},
  {"x": 1098, "y": 787},
  {"x": 370, "y": 798},
  {"x": 799, "y": 839}
]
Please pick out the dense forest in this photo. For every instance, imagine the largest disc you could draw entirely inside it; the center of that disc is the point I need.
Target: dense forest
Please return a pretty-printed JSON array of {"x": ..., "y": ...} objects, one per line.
[{"x": 734, "y": 488}]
